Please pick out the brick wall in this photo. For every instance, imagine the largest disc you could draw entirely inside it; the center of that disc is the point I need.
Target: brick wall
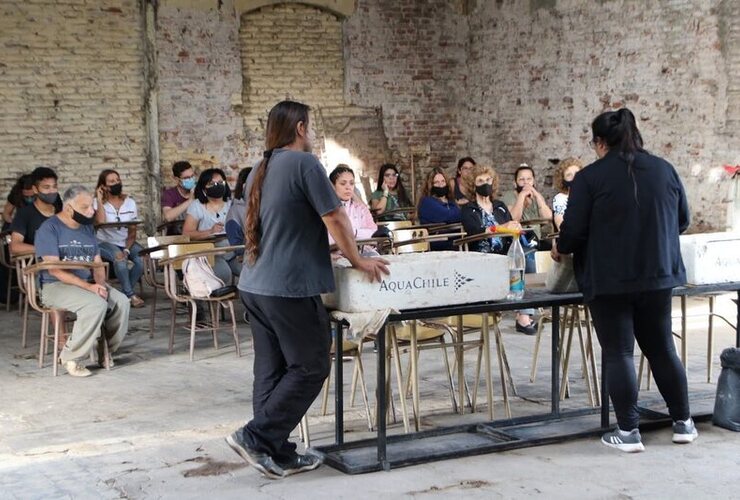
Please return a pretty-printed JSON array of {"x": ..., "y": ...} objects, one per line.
[
  {"x": 200, "y": 86},
  {"x": 71, "y": 90},
  {"x": 541, "y": 71},
  {"x": 408, "y": 58},
  {"x": 506, "y": 81},
  {"x": 288, "y": 51}
]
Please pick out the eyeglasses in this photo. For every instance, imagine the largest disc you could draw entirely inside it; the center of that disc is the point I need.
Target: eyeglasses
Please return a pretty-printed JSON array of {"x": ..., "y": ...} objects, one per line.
[{"x": 217, "y": 183}]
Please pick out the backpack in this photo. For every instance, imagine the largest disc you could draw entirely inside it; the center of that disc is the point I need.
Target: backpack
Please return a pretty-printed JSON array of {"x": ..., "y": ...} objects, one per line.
[{"x": 199, "y": 278}]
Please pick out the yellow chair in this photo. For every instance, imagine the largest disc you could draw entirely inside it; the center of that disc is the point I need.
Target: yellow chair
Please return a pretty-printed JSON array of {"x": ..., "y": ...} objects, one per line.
[
  {"x": 352, "y": 350},
  {"x": 156, "y": 250},
  {"x": 57, "y": 315},
  {"x": 21, "y": 262},
  {"x": 177, "y": 293}
]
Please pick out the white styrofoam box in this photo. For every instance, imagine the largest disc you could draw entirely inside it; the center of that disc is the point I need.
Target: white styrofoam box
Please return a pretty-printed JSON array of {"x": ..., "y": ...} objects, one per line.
[
  {"x": 711, "y": 257},
  {"x": 422, "y": 280}
]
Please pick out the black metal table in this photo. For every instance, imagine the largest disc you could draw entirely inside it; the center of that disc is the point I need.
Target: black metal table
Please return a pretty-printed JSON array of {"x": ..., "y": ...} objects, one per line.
[{"x": 497, "y": 435}]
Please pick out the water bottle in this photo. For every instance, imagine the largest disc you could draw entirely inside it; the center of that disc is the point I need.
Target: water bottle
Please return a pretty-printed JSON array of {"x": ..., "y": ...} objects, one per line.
[{"x": 516, "y": 270}]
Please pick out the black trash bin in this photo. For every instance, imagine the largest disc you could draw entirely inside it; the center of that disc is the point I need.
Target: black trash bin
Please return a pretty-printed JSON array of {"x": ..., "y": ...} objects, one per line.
[{"x": 727, "y": 401}]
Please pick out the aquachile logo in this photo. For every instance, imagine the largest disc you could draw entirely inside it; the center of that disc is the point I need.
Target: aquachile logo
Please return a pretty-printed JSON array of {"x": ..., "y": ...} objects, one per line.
[{"x": 420, "y": 283}]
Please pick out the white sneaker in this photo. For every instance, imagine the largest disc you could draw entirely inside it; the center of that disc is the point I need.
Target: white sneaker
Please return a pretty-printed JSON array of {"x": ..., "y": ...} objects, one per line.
[
  {"x": 76, "y": 370},
  {"x": 684, "y": 431},
  {"x": 629, "y": 443}
]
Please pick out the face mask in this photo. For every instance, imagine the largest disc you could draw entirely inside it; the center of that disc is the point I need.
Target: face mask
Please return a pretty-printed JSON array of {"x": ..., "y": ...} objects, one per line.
[
  {"x": 81, "y": 219},
  {"x": 48, "y": 198},
  {"x": 567, "y": 184},
  {"x": 440, "y": 192},
  {"x": 484, "y": 190},
  {"x": 28, "y": 200},
  {"x": 116, "y": 189},
  {"x": 216, "y": 191},
  {"x": 188, "y": 184}
]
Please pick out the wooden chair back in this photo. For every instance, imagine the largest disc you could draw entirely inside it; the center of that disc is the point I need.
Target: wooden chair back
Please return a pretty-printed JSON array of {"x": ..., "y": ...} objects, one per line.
[
  {"x": 542, "y": 261},
  {"x": 160, "y": 241},
  {"x": 417, "y": 240},
  {"x": 181, "y": 249}
]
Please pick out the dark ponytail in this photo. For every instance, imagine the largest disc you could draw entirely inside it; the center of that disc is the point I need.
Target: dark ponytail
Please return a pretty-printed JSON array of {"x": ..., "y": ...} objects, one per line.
[
  {"x": 282, "y": 123},
  {"x": 618, "y": 131}
]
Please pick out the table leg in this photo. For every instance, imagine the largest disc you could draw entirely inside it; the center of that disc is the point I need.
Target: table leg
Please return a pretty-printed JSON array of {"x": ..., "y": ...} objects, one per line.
[
  {"x": 604, "y": 394},
  {"x": 487, "y": 361},
  {"x": 415, "y": 377},
  {"x": 555, "y": 355},
  {"x": 460, "y": 355},
  {"x": 737, "y": 322},
  {"x": 339, "y": 384},
  {"x": 684, "y": 329},
  {"x": 382, "y": 403}
]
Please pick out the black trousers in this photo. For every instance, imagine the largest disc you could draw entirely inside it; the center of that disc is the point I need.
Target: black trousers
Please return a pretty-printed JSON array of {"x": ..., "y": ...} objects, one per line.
[
  {"x": 646, "y": 316},
  {"x": 291, "y": 341}
]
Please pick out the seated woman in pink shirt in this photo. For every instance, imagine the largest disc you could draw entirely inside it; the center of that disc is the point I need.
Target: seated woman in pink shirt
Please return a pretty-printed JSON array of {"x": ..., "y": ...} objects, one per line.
[{"x": 343, "y": 179}]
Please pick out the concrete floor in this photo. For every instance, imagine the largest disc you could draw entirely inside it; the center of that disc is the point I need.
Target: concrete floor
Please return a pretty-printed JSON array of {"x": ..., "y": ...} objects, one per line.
[{"x": 153, "y": 427}]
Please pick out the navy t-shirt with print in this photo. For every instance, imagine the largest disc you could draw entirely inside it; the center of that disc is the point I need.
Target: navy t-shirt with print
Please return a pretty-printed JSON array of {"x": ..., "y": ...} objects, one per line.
[
  {"x": 294, "y": 258},
  {"x": 55, "y": 238}
]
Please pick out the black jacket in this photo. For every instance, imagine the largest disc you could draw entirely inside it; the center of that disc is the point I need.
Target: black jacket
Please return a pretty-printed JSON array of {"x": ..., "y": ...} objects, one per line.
[
  {"x": 472, "y": 221},
  {"x": 621, "y": 244}
]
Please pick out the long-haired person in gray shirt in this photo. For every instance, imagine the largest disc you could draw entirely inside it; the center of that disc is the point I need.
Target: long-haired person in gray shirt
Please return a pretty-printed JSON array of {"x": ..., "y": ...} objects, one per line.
[{"x": 287, "y": 265}]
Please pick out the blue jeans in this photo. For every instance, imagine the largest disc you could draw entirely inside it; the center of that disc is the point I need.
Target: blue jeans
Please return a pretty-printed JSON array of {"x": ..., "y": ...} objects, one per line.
[{"x": 127, "y": 277}]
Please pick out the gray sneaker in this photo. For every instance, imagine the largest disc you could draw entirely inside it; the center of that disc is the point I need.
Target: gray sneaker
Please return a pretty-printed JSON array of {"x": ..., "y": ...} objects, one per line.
[
  {"x": 260, "y": 461},
  {"x": 684, "y": 431},
  {"x": 631, "y": 443}
]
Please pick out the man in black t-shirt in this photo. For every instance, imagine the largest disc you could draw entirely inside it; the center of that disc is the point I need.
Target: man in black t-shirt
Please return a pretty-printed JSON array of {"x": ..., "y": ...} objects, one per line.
[{"x": 29, "y": 218}]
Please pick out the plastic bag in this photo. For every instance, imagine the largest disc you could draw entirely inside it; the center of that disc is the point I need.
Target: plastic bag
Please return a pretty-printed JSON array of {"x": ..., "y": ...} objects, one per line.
[{"x": 727, "y": 400}]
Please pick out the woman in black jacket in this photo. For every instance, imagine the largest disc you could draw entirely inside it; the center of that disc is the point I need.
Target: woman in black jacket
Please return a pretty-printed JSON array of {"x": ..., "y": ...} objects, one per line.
[
  {"x": 485, "y": 212},
  {"x": 625, "y": 212}
]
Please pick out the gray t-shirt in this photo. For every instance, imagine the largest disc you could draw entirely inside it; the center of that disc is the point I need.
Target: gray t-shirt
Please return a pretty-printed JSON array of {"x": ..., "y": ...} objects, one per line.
[
  {"x": 294, "y": 258},
  {"x": 207, "y": 219},
  {"x": 55, "y": 238}
]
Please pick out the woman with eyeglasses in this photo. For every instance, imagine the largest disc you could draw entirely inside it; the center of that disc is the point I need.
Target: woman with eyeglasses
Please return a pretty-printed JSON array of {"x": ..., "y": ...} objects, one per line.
[
  {"x": 118, "y": 244},
  {"x": 625, "y": 213},
  {"x": 206, "y": 218},
  {"x": 390, "y": 194}
]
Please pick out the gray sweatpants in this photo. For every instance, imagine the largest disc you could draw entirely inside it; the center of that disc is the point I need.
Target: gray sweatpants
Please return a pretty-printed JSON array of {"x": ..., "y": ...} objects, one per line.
[{"x": 94, "y": 314}]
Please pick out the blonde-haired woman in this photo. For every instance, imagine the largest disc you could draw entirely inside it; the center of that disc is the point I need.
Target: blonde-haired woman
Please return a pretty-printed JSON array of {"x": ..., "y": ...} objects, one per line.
[
  {"x": 486, "y": 211},
  {"x": 567, "y": 170}
]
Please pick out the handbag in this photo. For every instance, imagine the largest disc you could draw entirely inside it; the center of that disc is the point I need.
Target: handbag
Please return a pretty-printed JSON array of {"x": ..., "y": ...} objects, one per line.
[{"x": 561, "y": 277}]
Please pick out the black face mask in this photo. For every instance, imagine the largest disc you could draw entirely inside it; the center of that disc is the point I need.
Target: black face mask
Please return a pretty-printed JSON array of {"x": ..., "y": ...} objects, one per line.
[
  {"x": 48, "y": 198},
  {"x": 116, "y": 189},
  {"x": 440, "y": 192},
  {"x": 216, "y": 191},
  {"x": 484, "y": 190},
  {"x": 81, "y": 219}
]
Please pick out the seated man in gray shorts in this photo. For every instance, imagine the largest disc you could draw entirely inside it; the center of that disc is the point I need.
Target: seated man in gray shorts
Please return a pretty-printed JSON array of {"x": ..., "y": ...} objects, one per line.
[{"x": 69, "y": 237}]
